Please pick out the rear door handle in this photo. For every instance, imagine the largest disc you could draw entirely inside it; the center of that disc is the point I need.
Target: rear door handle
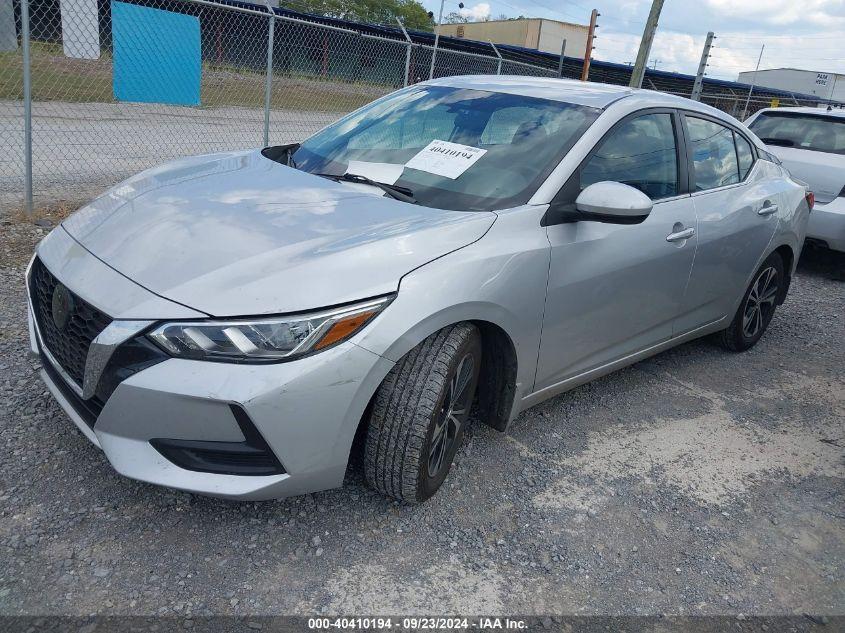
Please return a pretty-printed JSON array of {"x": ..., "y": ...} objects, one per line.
[
  {"x": 767, "y": 209},
  {"x": 680, "y": 235}
]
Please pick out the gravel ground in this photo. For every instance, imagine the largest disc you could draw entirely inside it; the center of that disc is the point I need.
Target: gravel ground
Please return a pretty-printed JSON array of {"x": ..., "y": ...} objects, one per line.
[{"x": 696, "y": 482}]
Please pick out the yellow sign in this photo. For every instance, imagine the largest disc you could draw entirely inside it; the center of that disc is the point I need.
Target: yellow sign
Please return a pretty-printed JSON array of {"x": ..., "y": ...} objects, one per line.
[{"x": 775, "y": 102}]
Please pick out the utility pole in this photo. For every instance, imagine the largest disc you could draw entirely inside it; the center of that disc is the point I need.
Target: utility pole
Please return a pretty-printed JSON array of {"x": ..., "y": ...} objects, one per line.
[
  {"x": 645, "y": 44},
  {"x": 753, "y": 81},
  {"x": 588, "y": 54},
  {"x": 702, "y": 65},
  {"x": 560, "y": 63},
  {"x": 655, "y": 61}
]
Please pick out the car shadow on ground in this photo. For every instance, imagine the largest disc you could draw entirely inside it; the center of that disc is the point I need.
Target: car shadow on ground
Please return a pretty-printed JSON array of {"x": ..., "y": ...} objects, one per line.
[{"x": 820, "y": 261}]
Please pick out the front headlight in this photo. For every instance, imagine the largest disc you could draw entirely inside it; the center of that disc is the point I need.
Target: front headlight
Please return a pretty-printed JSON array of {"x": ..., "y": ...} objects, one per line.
[{"x": 265, "y": 340}]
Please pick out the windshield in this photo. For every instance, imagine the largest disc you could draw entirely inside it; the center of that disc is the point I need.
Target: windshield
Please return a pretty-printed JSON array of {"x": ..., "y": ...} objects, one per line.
[
  {"x": 452, "y": 148},
  {"x": 801, "y": 131}
]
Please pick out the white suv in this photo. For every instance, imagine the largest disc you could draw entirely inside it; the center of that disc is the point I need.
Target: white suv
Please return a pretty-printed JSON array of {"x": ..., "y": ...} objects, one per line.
[{"x": 811, "y": 144}]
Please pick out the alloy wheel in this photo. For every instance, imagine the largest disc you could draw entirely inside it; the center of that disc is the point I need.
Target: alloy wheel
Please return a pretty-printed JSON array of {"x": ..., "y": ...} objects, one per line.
[
  {"x": 453, "y": 412},
  {"x": 760, "y": 304}
]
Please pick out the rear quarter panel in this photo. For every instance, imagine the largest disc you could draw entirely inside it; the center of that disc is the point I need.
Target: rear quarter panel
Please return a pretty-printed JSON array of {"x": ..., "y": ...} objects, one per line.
[{"x": 793, "y": 215}]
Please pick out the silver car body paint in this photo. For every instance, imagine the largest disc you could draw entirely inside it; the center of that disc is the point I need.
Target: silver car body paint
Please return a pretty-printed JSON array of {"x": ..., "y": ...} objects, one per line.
[
  {"x": 238, "y": 235},
  {"x": 256, "y": 234}
]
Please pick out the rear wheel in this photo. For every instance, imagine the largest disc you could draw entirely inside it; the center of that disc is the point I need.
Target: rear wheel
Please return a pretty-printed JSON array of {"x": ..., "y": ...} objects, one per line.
[
  {"x": 419, "y": 413},
  {"x": 757, "y": 307}
]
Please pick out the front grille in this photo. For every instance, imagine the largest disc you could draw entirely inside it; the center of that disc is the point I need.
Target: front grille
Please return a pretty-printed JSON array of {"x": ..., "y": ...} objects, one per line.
[
  {"x": 88, "y": 410},
  {"x": 68, "y": 345}
]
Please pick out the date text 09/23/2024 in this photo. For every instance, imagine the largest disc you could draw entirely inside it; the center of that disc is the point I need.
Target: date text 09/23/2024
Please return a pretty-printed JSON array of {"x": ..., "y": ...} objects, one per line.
[{"x": 417, "y": 623}]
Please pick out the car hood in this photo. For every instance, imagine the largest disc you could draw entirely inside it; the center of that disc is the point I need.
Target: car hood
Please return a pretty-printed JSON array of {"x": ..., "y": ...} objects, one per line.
[
  {"x": 823, "y": 171},
  {"x": 238, "y": 234}
]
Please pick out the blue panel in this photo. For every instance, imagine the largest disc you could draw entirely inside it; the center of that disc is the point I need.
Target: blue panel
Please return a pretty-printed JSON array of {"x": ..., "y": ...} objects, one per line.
[{"x": 156, "y": 55}]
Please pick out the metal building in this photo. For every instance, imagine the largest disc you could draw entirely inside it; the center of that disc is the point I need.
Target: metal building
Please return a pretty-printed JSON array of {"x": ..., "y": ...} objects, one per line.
[
  {"x": 822, "y": 84},
  {"x": 538, "y": 34}
]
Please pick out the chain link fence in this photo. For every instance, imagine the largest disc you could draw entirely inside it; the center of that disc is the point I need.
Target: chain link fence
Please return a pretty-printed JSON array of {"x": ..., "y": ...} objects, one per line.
[
  {"x": 121, "y": 86},
  {"x": 736, "y": 101},
  {"x": 727, "y": 96}
]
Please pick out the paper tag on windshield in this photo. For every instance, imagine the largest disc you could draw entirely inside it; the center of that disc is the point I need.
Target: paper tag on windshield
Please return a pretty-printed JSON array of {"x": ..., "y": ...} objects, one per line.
[
  {"x": 445, "y": 159},
  {"x": 386, "y": 173}
]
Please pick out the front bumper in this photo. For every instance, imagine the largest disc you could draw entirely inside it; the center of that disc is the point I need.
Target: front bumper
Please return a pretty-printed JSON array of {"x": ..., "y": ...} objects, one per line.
[
  {"x": 306, "y": 412},
  {"x": 827, "y": 224}
]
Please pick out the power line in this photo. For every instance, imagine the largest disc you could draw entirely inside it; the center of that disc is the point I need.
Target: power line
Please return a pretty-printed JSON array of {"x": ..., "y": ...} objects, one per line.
[{"x": 770, "y": 37}]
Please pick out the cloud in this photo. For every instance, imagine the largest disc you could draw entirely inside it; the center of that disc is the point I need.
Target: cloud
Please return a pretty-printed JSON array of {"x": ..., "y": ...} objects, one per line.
[
  {"x": 673, "y": 50},
  {"x": 733, "y": 51},
  {"x": 826, "y": 13},
  {"x": 477, "y": 12},
  {"x": 804, "y": 34}
]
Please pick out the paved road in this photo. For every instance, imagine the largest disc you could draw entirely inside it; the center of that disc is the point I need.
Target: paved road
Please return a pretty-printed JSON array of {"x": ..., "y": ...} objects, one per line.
[
  {"x": 696, "y": 482},
  {"x": 81, "y": 148}
]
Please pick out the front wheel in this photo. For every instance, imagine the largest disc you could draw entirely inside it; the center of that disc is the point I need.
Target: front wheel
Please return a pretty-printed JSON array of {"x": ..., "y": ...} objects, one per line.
[
  {"x": 419, "y": 413},
  {"x": 757, "y": 307}
]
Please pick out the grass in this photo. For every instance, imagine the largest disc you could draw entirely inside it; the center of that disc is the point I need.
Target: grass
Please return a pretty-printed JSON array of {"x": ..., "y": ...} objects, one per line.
[
  {"x": 55, "y": 212},
  {"x": 59, "y": 78}
]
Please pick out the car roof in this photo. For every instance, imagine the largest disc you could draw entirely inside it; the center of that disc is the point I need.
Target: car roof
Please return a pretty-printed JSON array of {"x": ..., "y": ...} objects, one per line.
[
  {"x": 578, "y": 92},
  {"x": 586, "y": 93},
  {"x": 818, "y": 111}
]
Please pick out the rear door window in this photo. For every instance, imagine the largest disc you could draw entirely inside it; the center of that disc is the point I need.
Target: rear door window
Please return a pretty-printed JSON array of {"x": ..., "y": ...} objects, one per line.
[
  {"x": 745, "y": 155},
  {"x": 714, "y": 155}
]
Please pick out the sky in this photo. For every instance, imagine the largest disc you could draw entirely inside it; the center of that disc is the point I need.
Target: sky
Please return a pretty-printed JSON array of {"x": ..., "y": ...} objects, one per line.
[{"x": 807, "y": 34}]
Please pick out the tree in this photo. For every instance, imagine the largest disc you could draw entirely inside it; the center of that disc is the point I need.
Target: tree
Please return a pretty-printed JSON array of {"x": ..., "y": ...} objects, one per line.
[{"x": 412, "y": 14}]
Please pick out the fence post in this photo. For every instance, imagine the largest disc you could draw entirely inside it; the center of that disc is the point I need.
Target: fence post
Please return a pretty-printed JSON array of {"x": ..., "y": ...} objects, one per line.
[
  {"x": 268, "y": 81},
  {"x": 560, "y": 62},
  {"x": 753, "y": 81},
  {"x": 496, "y": 50},
  {"x": 27, "y": 105},
  {"x": 407, "y": 51},
  {"x": 436, "y": 41}
]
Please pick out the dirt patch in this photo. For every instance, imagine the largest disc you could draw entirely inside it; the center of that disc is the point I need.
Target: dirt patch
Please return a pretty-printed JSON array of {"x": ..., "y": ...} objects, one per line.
[
  {"x": 22, "y": 231},
  {"x": 374, "y": 589},
  {"x": 713, "y": 458}
]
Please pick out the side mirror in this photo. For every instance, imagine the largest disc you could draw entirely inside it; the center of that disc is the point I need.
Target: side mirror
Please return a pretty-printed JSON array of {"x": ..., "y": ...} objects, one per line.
[{"x": 614, "y": 203}]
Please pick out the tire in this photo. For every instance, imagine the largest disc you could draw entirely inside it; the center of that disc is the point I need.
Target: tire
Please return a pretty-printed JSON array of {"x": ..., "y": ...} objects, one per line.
[
  {"x": 416, "y": 424},
  {"x": 757, "y": 307}
]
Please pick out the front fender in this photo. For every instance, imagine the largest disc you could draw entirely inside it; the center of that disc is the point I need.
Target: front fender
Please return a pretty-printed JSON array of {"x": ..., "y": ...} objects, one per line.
[{"x": 501, "y": 279}]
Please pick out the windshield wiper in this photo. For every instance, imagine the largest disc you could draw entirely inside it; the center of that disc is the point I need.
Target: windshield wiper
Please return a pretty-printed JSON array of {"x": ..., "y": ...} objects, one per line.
[
  {"x": 394, "y": 191},
  {"x": 282, "y": 154},
  {"x": 783, "y": 142}
]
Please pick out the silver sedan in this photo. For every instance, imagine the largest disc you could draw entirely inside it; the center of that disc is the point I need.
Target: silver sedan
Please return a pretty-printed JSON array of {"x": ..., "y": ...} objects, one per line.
[{"x": 238, "y": 324}]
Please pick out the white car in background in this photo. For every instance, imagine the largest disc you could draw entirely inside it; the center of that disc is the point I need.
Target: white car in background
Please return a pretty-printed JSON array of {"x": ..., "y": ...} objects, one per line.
[{"x": 811, "y": 144}]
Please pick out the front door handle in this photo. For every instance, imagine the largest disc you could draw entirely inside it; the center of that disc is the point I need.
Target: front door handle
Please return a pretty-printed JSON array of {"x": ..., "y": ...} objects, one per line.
[
  {"x": 767, "y": 209},
  {"x": 680, "y": 235}
]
